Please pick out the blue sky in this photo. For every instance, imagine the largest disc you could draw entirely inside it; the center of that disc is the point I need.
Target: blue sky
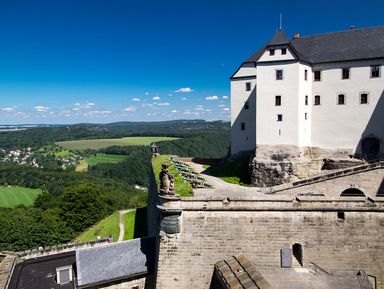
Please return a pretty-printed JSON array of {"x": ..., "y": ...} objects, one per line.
[{"x": 70, "y": 61}]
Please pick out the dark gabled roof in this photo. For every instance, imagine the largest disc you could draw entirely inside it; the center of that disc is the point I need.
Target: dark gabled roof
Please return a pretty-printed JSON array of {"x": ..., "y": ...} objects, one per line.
[
  {"x": 40, "y": 272},
  {"x": 117, "y": 261},
  {"x": 279, "y": 38},
  {"x": 354, "y": 44}
]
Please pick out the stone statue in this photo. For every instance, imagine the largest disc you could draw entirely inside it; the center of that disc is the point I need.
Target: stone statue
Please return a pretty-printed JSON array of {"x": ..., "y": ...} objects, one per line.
[{"x": 167, "y": 185}]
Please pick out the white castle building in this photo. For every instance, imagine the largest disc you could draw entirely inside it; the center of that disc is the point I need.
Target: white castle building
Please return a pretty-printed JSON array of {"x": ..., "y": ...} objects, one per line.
[{"x": 322, "y": 91}]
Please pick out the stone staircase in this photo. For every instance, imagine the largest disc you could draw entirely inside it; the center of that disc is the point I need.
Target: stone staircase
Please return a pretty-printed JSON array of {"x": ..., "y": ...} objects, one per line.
[{"x": 327, "y": 176}]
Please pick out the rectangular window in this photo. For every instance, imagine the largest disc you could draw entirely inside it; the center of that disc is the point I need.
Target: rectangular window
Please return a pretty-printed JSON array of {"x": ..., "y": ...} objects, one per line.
[
  {"x": 283, "y": 51},
  {"x": 248, "y": 86},
  {"x": 375, "y": 71},
  {"x": 279, "y": 117},
  {"x": 317, "y": 100},
  {"x": 305, "y": 116},
  {"x": 246, "y": 105},
  {"x": 341, "y": 99},
  {"x": 279, "y": 74},
  {"x": 64, "y": 275},
  {"x": 271, "y": 51},
  {"x": 306, "y": 100},
  {"x": 305, "y": 74},
  {"x": 277, "y": 100},
  {"x": 317, "y": 75},
  {"x": 364, "y": 98},
  {"x": 243, "y": 126},
  {"x": 345, "y": 73}
]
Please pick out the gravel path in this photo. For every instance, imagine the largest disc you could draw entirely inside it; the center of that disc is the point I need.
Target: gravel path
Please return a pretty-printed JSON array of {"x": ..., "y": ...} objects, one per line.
[
  {"x": 221, "y": 188},
  {"x": 121, "y": 224}
]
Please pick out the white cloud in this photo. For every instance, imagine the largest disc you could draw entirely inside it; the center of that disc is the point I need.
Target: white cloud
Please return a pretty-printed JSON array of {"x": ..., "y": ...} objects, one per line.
[
  {"x": 174, "y": 111},
  {"x": 130, "y": 108},
  {"x": 184, "y": 90},
  {"x": 221, "y": 105},
  {"x": 213, "y": 97},
  {"x": 77, "y": 103},
  {"x": 164, "y": 103},
  {"x": 136, "y": 99},
  {"x": 40, "y": 108},
  {"x": 156, "y": 98},
  {"x": 183, "y": 98},
  {"x": 226, "y": 109},
  {"x": 199, "y": 108},
  {"x": 8, "y": 109},
  {"x": 225, "y": 97},
  {"x": 75, "y": 108},
  {"x": 208, "y": 110},
  {"x": 188, "y": 112}
]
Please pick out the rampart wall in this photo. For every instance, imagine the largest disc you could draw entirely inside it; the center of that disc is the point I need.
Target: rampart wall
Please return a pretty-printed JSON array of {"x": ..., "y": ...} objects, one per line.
[{"x": 337, "y": 234}]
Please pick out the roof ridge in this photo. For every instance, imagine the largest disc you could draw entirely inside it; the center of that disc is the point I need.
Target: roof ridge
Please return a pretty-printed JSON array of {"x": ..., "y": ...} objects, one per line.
[{"x": 340, "y": 32}]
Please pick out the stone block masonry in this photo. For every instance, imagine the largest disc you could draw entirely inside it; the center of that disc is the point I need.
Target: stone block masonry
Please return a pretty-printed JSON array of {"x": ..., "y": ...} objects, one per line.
[{"x": 353, "y": 242}]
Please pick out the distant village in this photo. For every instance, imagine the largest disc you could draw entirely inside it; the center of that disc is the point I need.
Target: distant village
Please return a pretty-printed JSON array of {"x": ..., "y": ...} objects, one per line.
[{"x": 28, "y": 157}]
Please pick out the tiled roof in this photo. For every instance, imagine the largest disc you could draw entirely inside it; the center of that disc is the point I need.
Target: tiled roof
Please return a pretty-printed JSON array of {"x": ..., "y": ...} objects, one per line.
[
  {"x": 353, "y": 44},
  {"x": 115, "y": 261}
]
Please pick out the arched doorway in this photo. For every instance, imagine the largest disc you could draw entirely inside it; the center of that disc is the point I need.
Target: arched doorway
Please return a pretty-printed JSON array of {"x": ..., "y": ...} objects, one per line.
[
  {"x": 370, "y": 146},
  {"x": 352, "y": 192}
]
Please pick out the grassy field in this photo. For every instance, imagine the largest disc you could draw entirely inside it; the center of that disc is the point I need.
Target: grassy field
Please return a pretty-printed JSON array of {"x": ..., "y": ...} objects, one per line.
[
  {"x": 108, "y": 225},
  {"x": 13, "y": 196},
  {"x": 129, "y": 225},
  {"x": 182, "y": 188},
  {"x": 103, "y": 143},
  {"x": 63, "y": 153},
  {"x": 99, "y": 159}
]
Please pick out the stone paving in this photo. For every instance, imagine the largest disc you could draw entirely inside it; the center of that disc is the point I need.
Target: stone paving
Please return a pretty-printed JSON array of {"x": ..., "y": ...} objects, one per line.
[{"x": 221, "y": 188}]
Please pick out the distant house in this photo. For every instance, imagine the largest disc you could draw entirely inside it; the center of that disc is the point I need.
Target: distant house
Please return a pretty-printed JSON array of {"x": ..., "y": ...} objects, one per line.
[{"x": 322, "y": 91}]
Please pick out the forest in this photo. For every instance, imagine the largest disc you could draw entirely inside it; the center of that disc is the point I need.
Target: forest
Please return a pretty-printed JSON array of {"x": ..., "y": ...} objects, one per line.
[{"x": 72, "y": 201}]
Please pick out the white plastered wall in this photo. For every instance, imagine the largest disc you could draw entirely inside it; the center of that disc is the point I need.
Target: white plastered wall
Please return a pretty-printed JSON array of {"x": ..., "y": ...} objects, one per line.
[
  {"x": 342, "y": 126},
  {"x": 243, "y": 140},
  {"x": 269, "y": 131}
]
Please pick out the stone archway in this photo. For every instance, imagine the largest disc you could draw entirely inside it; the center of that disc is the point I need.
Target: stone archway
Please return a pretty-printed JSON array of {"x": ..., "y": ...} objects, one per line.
[{"x": 352, "y": 192}]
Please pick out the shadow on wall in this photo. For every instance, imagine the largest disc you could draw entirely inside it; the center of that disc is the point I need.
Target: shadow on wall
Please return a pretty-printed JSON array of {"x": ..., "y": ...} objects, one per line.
[
  {"x": 380, "y": 192},
  {"x": 243, "y": 129},
  {"x": 140, "y": 223},
  {"x": 371, "y": 144},
  {"x": 149, "y": 248}
]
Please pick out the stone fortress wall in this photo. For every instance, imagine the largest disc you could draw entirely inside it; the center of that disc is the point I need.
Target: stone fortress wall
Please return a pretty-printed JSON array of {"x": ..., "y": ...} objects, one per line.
[{"x": 336, "y": 233}]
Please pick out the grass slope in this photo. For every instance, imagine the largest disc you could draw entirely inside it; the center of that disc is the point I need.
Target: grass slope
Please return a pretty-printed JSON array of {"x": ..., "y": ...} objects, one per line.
[
  {"x": 103, "y": 143},
  {"x": 108, "y": 225},
  {"x": 13, "y": 196},
  {"x": 129, "y": 225},
  {"x": 182, "y": 188}
]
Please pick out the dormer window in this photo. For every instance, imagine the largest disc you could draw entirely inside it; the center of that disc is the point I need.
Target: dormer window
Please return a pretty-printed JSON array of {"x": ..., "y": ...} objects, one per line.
[
  {"x": 64, "y": 275},
  {"x": 283, "y": 51},
  {"x": 271, "y": 51},
  {"x": 247, "y": 86}
]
